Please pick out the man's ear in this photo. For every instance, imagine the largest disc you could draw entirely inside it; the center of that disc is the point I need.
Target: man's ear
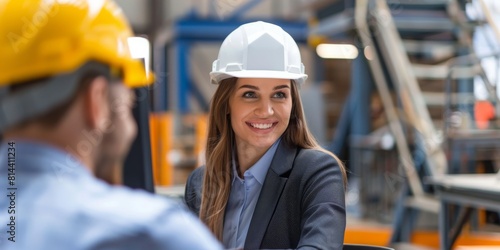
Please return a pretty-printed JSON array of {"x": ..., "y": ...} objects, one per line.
[{"x": 96, "y": 103}]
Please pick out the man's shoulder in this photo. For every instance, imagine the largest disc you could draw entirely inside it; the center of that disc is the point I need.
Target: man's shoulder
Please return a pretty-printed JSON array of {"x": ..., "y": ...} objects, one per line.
[
  {"x": 165, "y": 222},
  {"x": 90, "y": 211},
  {"x": 117, "y": 203}
]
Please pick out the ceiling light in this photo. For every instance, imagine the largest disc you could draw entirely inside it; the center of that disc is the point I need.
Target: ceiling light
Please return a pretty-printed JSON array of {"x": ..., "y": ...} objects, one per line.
[{"x": 337, "y": 51}]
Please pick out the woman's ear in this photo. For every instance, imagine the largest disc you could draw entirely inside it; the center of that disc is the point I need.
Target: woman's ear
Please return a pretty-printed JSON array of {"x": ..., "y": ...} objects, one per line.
[{"x": 96, "y": 103}]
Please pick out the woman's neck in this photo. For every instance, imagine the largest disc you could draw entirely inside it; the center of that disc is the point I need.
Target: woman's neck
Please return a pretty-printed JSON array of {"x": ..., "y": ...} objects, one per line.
[{"x": 247, "y": 156}]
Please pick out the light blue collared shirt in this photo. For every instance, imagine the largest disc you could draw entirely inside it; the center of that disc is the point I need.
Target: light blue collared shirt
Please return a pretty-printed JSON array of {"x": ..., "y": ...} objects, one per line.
[
  {"x": 59, "y": 204},
  {"x": 243, "y": 198}
]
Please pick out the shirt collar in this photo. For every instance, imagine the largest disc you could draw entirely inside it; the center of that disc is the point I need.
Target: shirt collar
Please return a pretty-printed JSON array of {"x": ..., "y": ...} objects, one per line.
[
  {"x": 259, "y": 169},
  {"x": 36, "y": 156}
]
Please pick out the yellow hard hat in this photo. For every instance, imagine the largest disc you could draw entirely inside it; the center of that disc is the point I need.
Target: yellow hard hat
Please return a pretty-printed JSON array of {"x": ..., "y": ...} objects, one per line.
[{"x": 44, "y": 38}]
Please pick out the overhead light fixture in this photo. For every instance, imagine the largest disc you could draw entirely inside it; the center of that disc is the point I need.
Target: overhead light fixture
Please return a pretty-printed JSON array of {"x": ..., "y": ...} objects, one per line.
[{"x": 337, "y": 51}]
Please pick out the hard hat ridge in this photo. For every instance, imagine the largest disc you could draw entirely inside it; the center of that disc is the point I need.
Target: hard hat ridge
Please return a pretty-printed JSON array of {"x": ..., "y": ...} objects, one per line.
[{"x": 258, "y": 50}]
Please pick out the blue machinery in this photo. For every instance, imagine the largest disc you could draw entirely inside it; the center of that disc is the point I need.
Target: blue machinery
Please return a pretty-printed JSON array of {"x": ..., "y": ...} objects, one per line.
[{"x": 192, "y": 30}]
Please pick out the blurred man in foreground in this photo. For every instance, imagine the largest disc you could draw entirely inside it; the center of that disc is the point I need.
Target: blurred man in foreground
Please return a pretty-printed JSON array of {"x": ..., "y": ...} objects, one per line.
[{"x": 65, "y": 114}]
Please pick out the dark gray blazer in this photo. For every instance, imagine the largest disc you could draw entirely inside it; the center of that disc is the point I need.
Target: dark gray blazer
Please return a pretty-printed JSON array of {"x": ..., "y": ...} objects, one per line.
[{"x": 301, "y": 204}]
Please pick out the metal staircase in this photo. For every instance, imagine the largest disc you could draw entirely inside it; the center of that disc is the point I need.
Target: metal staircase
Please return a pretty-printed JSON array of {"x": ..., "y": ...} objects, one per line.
[
  {"x": 422, "y": 52},
  {"x": 439, "y": 25}
]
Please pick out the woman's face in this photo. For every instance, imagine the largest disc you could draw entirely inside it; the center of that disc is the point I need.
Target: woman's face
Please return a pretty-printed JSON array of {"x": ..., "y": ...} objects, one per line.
[{"x": 260, "y": 111}]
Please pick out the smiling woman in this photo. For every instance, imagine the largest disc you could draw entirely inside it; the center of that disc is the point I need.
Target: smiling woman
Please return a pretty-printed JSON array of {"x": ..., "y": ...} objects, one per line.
[{"x": 266, "y": 183}]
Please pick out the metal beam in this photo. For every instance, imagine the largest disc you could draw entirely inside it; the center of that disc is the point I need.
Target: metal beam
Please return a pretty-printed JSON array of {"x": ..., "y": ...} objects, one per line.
[
  {"x": 335, "y": 25},
  {"x": 244, "y": 8},
  {"x": 213, "y": 30},
  {"x": 183, "y": 85}
]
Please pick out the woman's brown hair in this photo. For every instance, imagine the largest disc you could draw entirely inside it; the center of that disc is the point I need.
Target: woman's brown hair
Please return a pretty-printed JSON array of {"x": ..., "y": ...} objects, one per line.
[{"x": 217, "y": 179}]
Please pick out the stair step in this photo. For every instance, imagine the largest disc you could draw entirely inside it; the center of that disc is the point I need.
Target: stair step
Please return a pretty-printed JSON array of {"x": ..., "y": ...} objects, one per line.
[
  {"x": 422, "y": 24},
  {"x": 422, "y": 3},
  {"x": 440, "y": 98},
  {"x": 424, "y": 203},
  {"x": 436, "y": 49},
  {"x": 441, "y": 71},
  {"x": 424, "y": 71},
  {"x": 422, "y": 20}
]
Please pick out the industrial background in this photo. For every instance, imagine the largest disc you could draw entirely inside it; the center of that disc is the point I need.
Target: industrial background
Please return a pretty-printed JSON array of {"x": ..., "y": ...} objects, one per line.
[{"x": 403, "y": 91}]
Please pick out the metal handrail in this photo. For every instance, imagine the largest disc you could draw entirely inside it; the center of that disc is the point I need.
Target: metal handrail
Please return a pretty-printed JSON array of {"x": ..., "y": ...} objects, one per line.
[
  {"x": 361, "y": 23},
  {"x": 409, "y": 91}
]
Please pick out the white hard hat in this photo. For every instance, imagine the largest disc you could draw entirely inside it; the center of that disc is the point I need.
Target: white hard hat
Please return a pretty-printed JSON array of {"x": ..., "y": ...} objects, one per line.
[{"x": 258, "y": 50}]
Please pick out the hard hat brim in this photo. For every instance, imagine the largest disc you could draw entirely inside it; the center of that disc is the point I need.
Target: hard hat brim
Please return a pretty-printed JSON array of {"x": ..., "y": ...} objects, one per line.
[
  {"x": 135, "y": 75},
  {"x": 217, "y": 77}
]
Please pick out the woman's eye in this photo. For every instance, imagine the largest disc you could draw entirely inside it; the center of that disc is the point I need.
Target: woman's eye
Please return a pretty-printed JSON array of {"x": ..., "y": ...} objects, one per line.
[
  {"x": 249, "y": 94},
  {"x": 279, "y": 95}
]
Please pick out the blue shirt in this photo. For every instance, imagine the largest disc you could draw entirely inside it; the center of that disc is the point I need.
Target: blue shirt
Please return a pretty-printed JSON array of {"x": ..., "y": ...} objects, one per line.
[
  {"x": 56, "y": 203},
  {"x": 243, "y": 198}
]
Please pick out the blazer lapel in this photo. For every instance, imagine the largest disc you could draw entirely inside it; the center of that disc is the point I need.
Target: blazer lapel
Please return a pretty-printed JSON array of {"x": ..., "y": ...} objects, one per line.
[{"x": 274, "y": 183}]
